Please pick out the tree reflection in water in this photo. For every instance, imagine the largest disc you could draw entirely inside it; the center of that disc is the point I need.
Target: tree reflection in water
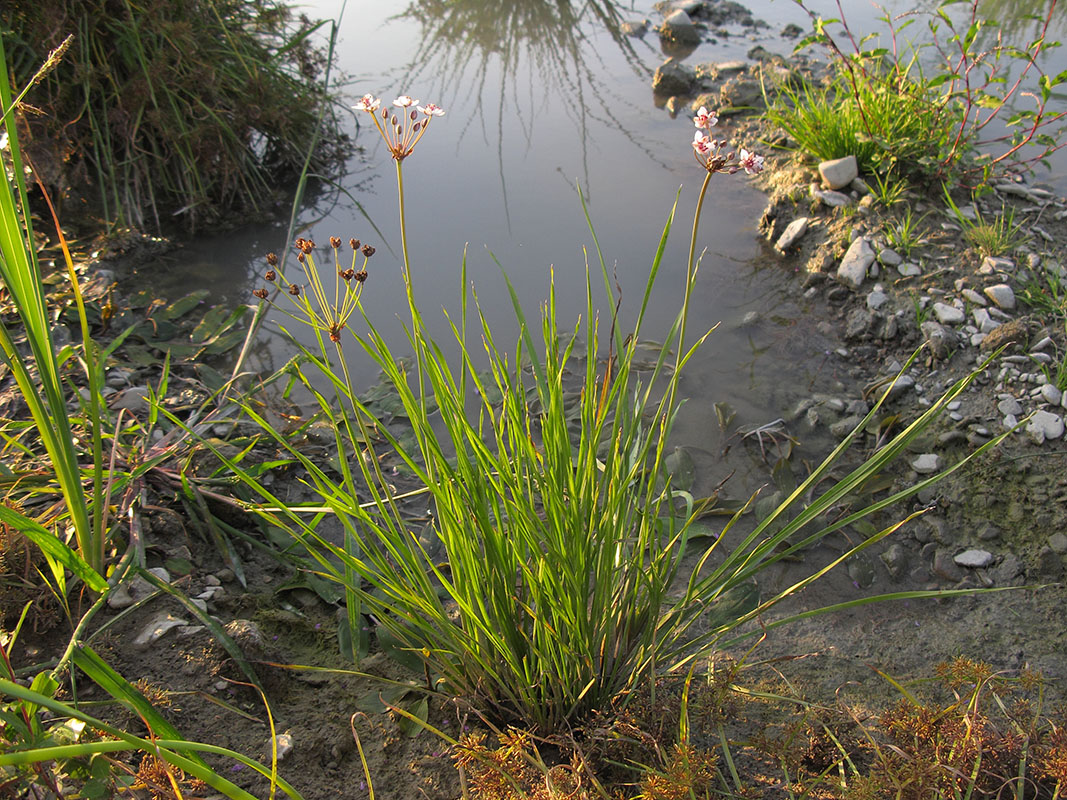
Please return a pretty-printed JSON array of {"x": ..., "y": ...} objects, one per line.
[{"x": 522, "y": 54}]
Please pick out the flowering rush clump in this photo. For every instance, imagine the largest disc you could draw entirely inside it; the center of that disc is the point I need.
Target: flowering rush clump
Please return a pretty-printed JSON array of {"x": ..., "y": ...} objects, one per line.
[
  {"x": 401, "y": 129},
  {"x": 710, "y": 151},
  {"x": 313, "y": 302}
]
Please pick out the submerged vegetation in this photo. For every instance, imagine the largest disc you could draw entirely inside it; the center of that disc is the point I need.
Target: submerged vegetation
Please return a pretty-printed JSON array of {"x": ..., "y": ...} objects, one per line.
[{"x": 171, "y": 113}]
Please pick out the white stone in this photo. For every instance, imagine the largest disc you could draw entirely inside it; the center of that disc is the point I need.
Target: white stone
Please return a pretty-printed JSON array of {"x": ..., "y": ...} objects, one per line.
[
  {"x": 156, "y": 628},
  {"x": 972, "y": 296},
  {"x": 831, "y": 198},
  {"x": 853, "y": 267},
  {"x": 891, "y": 258},
  {"x": 876, "y": 300},
  {"x": 839, "y": 172},
  {"x": 792, "y": 233},
  {"x": 1009, "y": 405},
  {"x": 1044, "y": 425},
  {"x": 284, "y": 743},
  {"x": 982, "y": 319},
  {"x": 926, "y": 463},
  {"x": 120, "y": 597},
  {"x": 909, "y": 270},
  {"x": 948, "y": 315},
  {"x": 680, "y": 28},
  {"x": 991, "y": 264},
  {"x": 1002, "y": 295},
  {"x": 1052, "y": 395},
  {"x": 974, "y": 558}
]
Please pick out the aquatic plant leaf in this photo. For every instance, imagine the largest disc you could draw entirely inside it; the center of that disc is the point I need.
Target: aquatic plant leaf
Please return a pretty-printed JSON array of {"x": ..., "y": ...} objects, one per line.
[
  {"x": 731, "y": 605},
  {"x": 681, "y": 469},
  {"x": 183, "y": 305},
  {"x": 419, "y": 709},
  {"x": 783, "y": 476},
  {"x": 861, "y": 570},
  {"x": 215, "y": 321},
  {"x": 140, "y": 356},
  {"x": 155, "y": 330},
  {"x": 703, "y": 530},
  {"x": 725, "y": 413},
  {"x": 225, "y": 343},
  {"x": 398, "y": 651}
]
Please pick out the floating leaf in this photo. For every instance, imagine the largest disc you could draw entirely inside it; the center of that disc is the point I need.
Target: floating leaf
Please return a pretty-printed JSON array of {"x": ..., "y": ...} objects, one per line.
[
  {"x": 783, "y": 476},
  {"x": 679, "y": 465},
  {"x": 731, "y": 605},
  {"x": 861, "y": 570},
  {"x": 225, "y": 343},
  {"x": 398, "y": 651},
  {"x": 725, "y": 413},
  {"x": 184, "y": 305},
  {"x": 419, "y": 708}
]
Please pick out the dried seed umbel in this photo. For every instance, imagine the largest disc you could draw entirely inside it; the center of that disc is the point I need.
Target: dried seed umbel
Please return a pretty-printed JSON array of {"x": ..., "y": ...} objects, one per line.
[{"x": 325, "y": 310}]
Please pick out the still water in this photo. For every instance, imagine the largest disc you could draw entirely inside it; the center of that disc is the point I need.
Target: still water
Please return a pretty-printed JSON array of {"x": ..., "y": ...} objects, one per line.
[{"x": 543, "y": 96}]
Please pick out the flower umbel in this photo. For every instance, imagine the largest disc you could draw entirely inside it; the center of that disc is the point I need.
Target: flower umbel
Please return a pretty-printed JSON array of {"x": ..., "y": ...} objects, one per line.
[
  {"x": 401, "y": 129},
  {"x": 711, "y": 154},
  {"x": 313, "y": 303}
]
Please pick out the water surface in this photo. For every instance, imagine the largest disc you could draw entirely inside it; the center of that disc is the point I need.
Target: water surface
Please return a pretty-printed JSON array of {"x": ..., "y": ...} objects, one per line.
[{"x": 544, "y": 96}]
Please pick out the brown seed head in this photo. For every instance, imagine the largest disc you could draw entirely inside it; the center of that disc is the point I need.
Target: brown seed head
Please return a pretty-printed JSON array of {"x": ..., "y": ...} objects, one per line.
[
  {"x": 335, "y": 242},
  {"x": 272, "y": 259},
  {"x": 360, "y": 276},
  {"x": 368, "y": 251},
  {"x": 354, "y": 244},
  {"x": 305, "y": 245},
  {"x": 300, "y": 257},
  {"x": 271, "y": 275},
  {"x": 414, "y": 116},
  {"x": 347, "y": 274},
  {"x": 294, "y": 289},
  {"x": 260, "y": 293}
]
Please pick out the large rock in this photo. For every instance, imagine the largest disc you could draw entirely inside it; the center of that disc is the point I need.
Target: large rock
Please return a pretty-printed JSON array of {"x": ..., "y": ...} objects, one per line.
[
  {"x": 853, "y": 267},
  {"x": 948, "y": 315},
  {"x": 673, "y": 78},
  {"x": 792, "y": 233},
  {"x": 1044, "y": 426},
  {"x": 678, "y": 28},
  {"x": 1002, "y": 295},
  {"x": 839, "y": 172}
]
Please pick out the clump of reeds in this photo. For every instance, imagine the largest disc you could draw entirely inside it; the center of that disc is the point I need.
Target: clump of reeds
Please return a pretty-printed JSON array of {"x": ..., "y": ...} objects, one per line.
[{"x": 172, "y": 111}]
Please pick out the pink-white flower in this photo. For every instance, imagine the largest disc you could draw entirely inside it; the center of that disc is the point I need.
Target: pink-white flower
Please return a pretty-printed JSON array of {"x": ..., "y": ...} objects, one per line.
[
  {"x": 432, "y": 110},
  {"x": 368, "y": 103},
  {"x": 702, "y": 144},
  {"x": 750, "y": 162},
  {"x": 404, "y": 102},
  {"x": 705, "y": 118}
]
